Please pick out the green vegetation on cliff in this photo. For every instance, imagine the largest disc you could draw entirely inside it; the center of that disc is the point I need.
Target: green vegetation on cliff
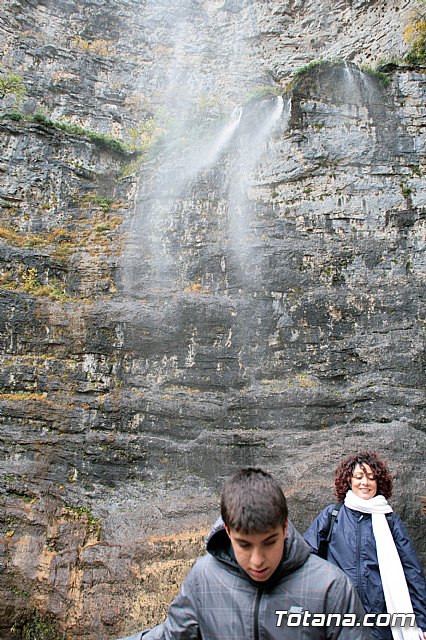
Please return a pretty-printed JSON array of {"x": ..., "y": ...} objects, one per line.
[
  {"x": 415, "y": 34},
  {"x": 11, "y": 83}
]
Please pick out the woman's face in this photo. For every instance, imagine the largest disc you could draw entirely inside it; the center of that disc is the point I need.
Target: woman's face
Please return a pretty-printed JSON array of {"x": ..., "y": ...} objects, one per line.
[{"x": 363, "y": 482}]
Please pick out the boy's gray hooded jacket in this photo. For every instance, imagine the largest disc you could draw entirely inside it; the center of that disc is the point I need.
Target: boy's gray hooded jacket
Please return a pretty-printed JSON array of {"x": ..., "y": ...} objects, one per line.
[{"x": 219, "y": 601}]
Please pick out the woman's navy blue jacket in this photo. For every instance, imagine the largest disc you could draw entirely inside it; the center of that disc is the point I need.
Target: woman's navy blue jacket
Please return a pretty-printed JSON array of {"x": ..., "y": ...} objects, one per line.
[{"x": 352, "y": 548}]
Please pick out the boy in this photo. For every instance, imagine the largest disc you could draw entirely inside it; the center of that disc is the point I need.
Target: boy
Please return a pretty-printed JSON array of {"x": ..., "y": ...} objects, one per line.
[{"x": 259, "y": 579}]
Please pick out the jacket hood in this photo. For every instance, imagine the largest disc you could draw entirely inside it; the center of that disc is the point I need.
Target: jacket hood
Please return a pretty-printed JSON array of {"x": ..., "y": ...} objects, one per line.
[{"x": 296, "y": 552}]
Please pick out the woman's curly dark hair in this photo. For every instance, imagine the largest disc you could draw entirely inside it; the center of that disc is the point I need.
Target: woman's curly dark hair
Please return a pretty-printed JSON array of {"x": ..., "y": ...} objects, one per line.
[{"x": 346, "y": 468}]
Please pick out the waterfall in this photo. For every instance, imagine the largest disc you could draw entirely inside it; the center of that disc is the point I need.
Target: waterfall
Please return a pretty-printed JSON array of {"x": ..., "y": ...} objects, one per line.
[
  {"x": 359, "y": 87},
  {"x": 158, "y": 200},
  {"x": 210, "y": 148},
  {"x": 207, "y": 151},
  {"x": 257, "y": 127},
  {"x": 153, "y": 234},
  {"x": 211, "y": 151}
]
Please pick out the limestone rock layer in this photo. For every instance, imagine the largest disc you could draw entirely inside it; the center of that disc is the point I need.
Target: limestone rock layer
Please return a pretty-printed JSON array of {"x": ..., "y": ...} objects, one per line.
[{"x": 212, "y": 234}]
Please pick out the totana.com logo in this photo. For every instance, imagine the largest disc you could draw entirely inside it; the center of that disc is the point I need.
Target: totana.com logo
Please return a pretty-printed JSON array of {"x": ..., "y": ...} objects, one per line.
[{"x": 295, "y": 617}]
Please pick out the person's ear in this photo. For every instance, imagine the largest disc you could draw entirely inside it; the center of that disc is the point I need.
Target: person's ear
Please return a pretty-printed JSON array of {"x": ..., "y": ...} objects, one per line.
[
  {"x": 227, "y": 531},
  {"x": 285, "y": 529}
]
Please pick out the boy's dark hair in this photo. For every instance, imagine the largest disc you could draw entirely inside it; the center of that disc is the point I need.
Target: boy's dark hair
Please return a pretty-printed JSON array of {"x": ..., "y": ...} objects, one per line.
[{"x": 253, "y": 501}]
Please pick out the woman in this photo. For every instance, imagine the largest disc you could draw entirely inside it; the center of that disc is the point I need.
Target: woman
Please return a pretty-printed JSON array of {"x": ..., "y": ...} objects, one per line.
[{"x": 373, "y": 549}]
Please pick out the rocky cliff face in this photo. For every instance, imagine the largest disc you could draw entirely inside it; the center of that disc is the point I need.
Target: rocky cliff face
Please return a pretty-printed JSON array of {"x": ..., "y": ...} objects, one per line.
[{"x": 243, "y": 283}]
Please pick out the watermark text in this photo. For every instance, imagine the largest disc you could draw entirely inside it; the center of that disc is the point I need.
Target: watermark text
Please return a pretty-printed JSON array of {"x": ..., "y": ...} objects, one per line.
[{"x": 307, "y": 619}]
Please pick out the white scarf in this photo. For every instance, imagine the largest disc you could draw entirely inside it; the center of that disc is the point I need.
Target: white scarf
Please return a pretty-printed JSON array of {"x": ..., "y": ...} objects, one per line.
[{"x": 394, "y": 584}]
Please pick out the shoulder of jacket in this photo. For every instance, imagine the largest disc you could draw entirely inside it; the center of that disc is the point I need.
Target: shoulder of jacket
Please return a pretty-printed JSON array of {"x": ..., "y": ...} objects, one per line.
[
  {"x": 201, "y": 572},
  {"x": 332, "y": 505},
  {"x": 324, "y": 572},
  {"x": 326, "y": 512},
  {"x": 200, "y": 566},
  {"x": 330, "y": 512},
  {"x": 397, "y": 526}
]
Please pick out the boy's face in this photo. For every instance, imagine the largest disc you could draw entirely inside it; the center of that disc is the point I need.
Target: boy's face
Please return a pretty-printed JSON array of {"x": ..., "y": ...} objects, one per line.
[{"x": 259, "y": 554}]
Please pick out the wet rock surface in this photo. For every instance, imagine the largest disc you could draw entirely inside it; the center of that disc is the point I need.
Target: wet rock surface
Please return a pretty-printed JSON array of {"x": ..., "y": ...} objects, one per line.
[{"x": 247, "y": 288}]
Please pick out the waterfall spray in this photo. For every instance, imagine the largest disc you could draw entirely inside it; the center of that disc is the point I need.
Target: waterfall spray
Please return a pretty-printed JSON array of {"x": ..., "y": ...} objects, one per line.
[{"x": 256, "y": 128}]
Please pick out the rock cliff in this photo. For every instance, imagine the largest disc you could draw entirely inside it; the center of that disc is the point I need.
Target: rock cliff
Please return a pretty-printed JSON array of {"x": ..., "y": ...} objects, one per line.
[{"x": 211, "y": 255}]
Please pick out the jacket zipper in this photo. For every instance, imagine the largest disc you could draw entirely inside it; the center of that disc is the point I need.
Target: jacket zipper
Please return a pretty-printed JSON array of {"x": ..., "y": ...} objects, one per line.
[
  {"x": 358, "y": 553},
  {"x": 256, "y": 614}
]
